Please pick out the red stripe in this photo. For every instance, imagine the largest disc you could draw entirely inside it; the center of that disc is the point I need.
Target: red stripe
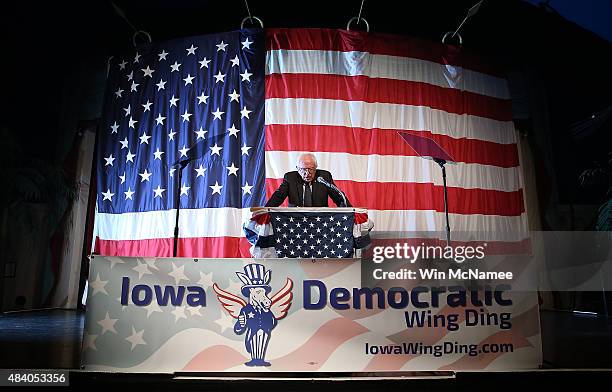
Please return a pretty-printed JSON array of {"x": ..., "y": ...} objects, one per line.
[
  {"x": 187, "y": 247},
  {"x": 382, "y": 90},
  {"x": 424, "y": 196},
  {"x": 362, "y": 141},
  {"x": 377, "y": 43}
]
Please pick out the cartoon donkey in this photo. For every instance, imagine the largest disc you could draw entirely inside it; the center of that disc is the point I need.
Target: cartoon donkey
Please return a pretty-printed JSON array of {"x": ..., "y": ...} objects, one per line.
[{"x": 260, "y": 315}]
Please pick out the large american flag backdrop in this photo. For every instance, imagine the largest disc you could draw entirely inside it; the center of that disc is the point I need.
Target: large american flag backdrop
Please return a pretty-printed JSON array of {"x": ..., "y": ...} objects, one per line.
[{"x": 241, "y": 106}]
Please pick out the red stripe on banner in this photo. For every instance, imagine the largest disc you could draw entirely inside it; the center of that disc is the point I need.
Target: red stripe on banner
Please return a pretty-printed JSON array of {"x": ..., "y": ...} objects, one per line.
[
  {"x": 215, "y": 358},
  {"x": 381, "y": 90},
  {"x": 228, "y": 247},
  {"x": 376, "y": 141},
  {"x": 424, "y": 196},
  {"x": 376, "y": 43}
]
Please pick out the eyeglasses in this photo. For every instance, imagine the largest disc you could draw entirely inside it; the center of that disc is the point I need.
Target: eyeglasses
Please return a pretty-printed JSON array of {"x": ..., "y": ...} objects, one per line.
[{"x": 306, "y": 169}]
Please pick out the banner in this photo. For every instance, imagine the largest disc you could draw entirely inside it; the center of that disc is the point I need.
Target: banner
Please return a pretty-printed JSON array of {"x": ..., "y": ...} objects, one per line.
[{"x": 294, "y": 315}]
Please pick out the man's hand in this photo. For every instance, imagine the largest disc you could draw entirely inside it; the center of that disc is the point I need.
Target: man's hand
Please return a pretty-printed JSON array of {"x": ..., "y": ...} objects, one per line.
[{"x": 242, "y": 320}]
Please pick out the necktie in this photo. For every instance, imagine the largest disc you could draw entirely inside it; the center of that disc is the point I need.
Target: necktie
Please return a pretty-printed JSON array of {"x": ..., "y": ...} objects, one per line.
[{"x": 307, "y": 196}]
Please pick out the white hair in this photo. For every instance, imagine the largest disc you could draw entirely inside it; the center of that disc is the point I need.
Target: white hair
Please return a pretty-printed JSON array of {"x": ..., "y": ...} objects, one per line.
[{"x": 310, "y": 155}]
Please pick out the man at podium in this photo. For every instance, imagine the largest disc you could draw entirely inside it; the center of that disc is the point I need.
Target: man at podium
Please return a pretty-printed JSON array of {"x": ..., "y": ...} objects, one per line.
[{"x": 308, "y": 186}]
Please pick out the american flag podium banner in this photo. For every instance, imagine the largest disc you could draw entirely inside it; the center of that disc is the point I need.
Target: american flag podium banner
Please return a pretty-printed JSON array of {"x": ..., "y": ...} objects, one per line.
[
  {"x": 292, "y": 315},
  {"x": 307, "y": 232}
]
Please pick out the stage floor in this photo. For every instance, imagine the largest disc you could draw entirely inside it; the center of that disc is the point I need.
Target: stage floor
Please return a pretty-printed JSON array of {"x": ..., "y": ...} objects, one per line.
[{"x": 51, "y": 339}]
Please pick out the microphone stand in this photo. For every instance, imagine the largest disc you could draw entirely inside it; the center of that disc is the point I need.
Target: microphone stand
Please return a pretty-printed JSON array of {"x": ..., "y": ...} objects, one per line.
[
  {"x": 332, "y": 186},
  {"x": 442, "y": 162},
  {"x": 177, "y": 202}
]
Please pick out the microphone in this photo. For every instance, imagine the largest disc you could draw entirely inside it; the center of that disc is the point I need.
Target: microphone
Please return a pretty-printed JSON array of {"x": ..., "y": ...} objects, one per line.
[{"x": 333, "y": 187}]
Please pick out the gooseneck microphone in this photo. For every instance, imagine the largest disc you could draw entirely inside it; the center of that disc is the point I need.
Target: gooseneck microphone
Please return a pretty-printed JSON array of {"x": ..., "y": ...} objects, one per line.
[{"x": 333, "y": 187}]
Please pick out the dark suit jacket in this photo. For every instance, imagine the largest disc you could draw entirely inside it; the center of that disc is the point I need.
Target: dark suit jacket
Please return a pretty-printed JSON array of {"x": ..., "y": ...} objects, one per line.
[{"x": 293, "y": 187}]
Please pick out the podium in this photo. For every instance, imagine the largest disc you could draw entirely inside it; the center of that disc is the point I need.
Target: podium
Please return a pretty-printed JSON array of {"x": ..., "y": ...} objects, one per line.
[{"x": 307, "y": 232}]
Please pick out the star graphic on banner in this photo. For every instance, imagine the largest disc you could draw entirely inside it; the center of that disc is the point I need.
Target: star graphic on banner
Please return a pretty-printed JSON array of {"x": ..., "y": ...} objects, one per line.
[
  {"x": 97, "y": 286},
  {"x": 137, "y": 57},
  {"x": 217, "y": 114},
  {"x": 246, "y": 44},
  {"x": 221, "y": 46},
  {"x": 233, "y": 286},
  {"x": 150, "y": 262},
  {"x": 108, "y": 195},
  {"x": 245, "y": 149},
  {"x": 246, "y": 76},
  {"x": 122, "y": 65},
  {"x": 108, "y": 324},
  {"x": 219, "y": 77},
  {"x": 245, "y": 112},
  {"x": 122, "y": 178},
  {"x": 142, "y": 269},
  {"x": 128, "y": 110},
  {"x": 189, "y": 80},
  {"x": 205, "y": 279},
  {"x": 175, "y": 66},
  {"x": 184, "y": 190},
  {"x": 118, "y": 92},
  {"x": 129, "y": 158},
  {"x": 202, "y": 98},
  {"x": 152, "y": 308},
  {"x": 148, "y": 72},
  {"x": 160, "y": 119},
  {"x": 158, "y": 191},
  {"x": 232, "y": 170},
  {"x": 173, "y": 101},
  {"x": 134, "y": 85},
  {"x": 246, "y": 188},
  {"x": 114, "y": 261},
  {"x": 233, "y": 131},
  {"x": 162, "y": 55},
  {"x": 216, "y": 188},
  {"x": 200, "y": 171},
  {"x": 179, "y": 313},
  {"x": 178, "y": 273},
  {"x": 235, "y": 61},
  {"x": 201, "y": 134},
  {"x": 225, "y": 322},
  {"x": 183, "y": 151},
  {"x": 129, "y": 193},
  {"x": 161, "y": 85},
  {"x": 195, "y": 310},
  {"x": 145, "y": 176},
  {"x": 234, "y": 96},
  {"x": 144, "y": 138},
  {"x": 114, "y": 127},
  {"x": 147, "y": 106},
  {"x": 172, "y": 172},
  {"x": 136, "y": 338},
  {"x": 130, "y": 76},
  {"x": 191, "y": 50},
  {"x": 171, "y": 135},
  {"x": 109, "y": 160},
  {"x": 215, "y": 150},
  {"x": 204, "y": 63},
  {"x": 89, "y": 341}
]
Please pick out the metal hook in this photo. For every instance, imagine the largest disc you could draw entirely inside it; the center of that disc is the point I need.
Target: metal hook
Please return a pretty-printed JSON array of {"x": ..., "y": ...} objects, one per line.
[
  {"x": 452, "y": 32},
  {"x": 141, "y": 32},
  {"x": 249, "y": 17},
  {"x": 348, "y": 25}
]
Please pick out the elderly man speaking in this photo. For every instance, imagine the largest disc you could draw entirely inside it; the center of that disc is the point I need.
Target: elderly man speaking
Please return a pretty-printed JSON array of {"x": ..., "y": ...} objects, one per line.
[{"x": 308, "y": 187}]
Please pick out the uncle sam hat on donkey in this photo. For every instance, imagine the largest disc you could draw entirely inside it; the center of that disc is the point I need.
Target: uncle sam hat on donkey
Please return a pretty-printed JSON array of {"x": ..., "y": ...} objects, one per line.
[{"x": 255, "y": 275}]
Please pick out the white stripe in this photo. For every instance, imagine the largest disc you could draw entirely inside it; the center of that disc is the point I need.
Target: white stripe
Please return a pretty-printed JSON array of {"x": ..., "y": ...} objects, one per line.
[
  {"x": 160, "y": 224},
  {"x": 384, "y": 66},
  {"x": 205, "y": 222},
  {"x": 389, "y": 116},
  {"x": 463, "y": 227},
  {"x": 393, "y": 168}
]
